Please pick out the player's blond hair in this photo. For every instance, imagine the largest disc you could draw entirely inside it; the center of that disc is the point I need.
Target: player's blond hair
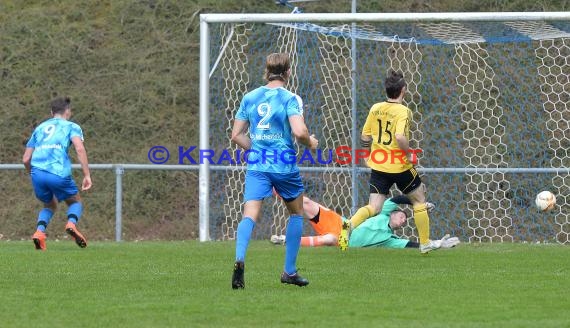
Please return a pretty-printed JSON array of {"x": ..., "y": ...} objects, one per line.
[{"x": 277, "y": 67}]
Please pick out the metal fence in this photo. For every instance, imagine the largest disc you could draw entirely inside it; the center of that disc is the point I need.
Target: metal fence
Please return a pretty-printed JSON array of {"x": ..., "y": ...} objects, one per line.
[{"x": 120, "y": 169}]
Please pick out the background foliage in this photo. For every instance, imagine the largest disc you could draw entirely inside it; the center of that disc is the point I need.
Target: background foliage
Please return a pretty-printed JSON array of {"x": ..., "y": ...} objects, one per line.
[{"x": 131, "y": 69}]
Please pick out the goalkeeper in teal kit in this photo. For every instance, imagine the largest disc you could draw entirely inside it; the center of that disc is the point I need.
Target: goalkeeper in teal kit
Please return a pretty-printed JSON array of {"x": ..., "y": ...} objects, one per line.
[{"x": 377, "y": 231}]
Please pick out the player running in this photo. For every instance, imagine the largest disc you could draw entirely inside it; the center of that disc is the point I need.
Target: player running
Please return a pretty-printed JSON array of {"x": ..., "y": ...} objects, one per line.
[{"x": 46, "y": 160}]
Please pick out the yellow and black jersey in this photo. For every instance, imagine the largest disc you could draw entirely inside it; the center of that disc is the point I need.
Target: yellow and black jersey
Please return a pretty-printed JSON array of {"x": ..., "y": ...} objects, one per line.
[{"x": 384, "y": 121}]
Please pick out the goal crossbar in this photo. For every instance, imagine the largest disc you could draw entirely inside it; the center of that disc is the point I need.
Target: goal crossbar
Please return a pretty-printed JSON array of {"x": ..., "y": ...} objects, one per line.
[{"x": 384, "y": 17}]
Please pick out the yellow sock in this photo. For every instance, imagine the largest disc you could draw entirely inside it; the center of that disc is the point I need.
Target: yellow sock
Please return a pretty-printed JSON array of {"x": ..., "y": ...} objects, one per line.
[
  {"x": 361, "y": 215},
  {"x": 421, "y": 218}
]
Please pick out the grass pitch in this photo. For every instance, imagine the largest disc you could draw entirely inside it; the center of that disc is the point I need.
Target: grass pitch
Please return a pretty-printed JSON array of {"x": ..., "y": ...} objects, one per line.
[{"x": 187, "y": 284}]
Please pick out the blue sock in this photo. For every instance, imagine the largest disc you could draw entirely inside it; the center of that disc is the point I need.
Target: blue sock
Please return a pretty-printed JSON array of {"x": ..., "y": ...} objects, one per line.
[
  {"x": 293, "y": 237},
  {"x": 74, "y": 212},
  {"x": 244, "y": 230},
  {"x": 44, "y": 217}
]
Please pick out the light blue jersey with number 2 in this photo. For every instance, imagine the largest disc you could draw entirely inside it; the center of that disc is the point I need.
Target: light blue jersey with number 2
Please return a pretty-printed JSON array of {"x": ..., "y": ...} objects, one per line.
[
  {"x": 50, "y": 141},
  {"x": 268, "y": 110}
]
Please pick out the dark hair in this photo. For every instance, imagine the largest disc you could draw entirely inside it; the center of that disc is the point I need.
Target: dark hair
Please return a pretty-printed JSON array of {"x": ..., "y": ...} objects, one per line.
[
  {"x": 59, "y": 105},
  {"x": 394, "y": 84},
  {"x": 276, "y": 66},
  {"x": 399, "y": 210}
]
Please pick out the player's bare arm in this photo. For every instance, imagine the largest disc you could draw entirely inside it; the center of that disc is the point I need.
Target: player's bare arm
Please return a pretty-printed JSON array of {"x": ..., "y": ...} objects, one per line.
[
  {"x": 404, "y": 145},
  {"x": 82, "y": 157},
  {"x": 365, "y": 141},
  {"x": 301, "y": 133},
  {"x": 239, "y": 135},
  {"x": 27, "y": 159}
]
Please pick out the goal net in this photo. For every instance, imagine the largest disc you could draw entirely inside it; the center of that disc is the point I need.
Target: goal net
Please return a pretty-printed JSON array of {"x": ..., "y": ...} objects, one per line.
[{"x": 490, "y": 103}]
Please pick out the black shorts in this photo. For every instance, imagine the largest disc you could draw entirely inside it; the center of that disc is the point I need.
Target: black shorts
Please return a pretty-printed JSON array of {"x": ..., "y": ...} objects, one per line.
[{"x": 407, "y": 181}]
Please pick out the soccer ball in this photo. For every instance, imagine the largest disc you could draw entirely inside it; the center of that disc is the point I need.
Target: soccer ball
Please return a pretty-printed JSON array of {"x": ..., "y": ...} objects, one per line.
[{"x": 545, "y": 201}]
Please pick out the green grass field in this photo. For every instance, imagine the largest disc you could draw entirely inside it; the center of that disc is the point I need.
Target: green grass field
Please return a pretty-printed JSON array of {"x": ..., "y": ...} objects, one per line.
[{"x": 187, "y": 284}]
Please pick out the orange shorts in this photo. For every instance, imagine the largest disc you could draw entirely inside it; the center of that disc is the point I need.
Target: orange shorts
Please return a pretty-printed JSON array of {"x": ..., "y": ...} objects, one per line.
[{"x": 329, "y": 223}]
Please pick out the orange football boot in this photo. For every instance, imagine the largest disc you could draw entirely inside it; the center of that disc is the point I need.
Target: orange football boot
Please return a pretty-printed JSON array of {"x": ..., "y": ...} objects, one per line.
[
  {"x": 39, "y": 239},
  {"x": 73, "y": 232}
]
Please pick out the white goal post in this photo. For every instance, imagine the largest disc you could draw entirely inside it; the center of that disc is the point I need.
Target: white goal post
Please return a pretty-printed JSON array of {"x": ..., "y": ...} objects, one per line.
[{"x": 490, "y": 93}]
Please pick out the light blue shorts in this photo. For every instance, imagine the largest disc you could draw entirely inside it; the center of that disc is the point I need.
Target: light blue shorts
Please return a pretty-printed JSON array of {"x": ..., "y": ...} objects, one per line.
[
  {"x": 46, "y": 185},
  {"x": 258, "y": 185}
]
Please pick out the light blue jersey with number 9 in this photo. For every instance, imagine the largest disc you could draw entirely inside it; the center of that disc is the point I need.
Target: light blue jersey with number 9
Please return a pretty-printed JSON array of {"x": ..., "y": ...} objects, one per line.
[
  {"x": 50, "y": 141},
  {"x": 272, "y": 146}
]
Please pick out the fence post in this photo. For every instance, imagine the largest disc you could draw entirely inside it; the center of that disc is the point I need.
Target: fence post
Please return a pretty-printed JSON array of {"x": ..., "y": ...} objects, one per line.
[{"x": 119, "y": 171}]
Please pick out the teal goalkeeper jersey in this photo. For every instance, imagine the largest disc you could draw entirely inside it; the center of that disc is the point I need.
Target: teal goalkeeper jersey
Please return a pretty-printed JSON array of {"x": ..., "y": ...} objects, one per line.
[
  {"x": 376, "y": 230},
  {"x": 268, "y": 110},
  {"x": 50, "y": 141}
]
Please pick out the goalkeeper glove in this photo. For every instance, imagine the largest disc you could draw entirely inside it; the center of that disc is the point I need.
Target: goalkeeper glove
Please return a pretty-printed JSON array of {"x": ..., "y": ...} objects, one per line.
[{"x": 449, "y": 242}]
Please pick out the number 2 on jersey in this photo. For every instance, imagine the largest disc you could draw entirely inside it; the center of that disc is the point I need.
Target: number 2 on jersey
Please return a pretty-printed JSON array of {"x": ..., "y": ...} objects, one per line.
[
  {"x": 386, "y": 129},
  {"x": 264, "y": 110}
]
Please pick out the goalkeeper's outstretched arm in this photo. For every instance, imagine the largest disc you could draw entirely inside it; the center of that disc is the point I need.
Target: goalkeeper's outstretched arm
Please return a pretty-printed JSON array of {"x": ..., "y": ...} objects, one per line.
[
  {"x": 446, "y": 242},
  {"x": 412, "y": 244}
]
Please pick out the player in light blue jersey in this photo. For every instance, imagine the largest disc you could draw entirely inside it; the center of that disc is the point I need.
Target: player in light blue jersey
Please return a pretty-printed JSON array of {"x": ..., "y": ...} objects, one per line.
[
  {"x": 46, "y": 160},
  {"x": 274, "y": 116}
]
